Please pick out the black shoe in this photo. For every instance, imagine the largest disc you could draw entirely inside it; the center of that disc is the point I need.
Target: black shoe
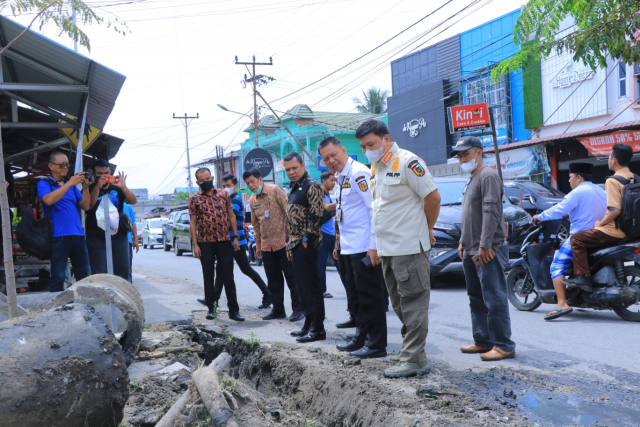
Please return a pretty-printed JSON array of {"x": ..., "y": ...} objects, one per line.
[
  {"x": 351, "y": 323},
  {"x": 583, "y": 282},
  {"x": 274, "y": 315},
  {"x": 202, "y": 301},
  {"x": 295, "y": 316},
  {"x": 266, "y": 302},
  {"x": 236, "y": 317},
  {"x": 210, "y": 315},
  {"x": 368, "y": 353},
  {"x": 350, "y": 346},
  {"x": 312, "y": 336},
  {"x": 300, "y": 333}
]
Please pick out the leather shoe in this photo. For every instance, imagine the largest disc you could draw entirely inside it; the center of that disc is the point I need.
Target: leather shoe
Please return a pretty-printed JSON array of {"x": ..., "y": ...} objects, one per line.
[
  {"x": 350, "y": 346},
  {"x": 300, "y": 333},
  {"x": 351, "y": 323},
  {"x": 583, "y": 282},
  {"x": 497, "y": 353},
  {"x": 474, "y": 349},
  {"x": 236, "y": 317},
  {"x": 202, "y": 301},
  {"x": 210, "y": 315},
  {"x": 295, "y": 316},
  {"x": 368, "y": 353},
  {"x": 266, "y": 302},
  {"x": 312, "y": 336},
  {"x": 274, "y": 315}
]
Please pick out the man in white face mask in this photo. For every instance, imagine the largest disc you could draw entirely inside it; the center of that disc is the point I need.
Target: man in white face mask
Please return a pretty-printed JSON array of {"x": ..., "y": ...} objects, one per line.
[
  {"x": 406, "y": 204},
  {"x": 484, "y": 253}
]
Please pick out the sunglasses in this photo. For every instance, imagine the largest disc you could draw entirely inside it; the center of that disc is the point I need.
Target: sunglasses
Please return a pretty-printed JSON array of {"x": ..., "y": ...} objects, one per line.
[{"x": 62, "y": 165}]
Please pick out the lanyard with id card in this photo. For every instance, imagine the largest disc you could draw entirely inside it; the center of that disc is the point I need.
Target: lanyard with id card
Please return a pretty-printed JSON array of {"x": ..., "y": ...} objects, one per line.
[{"x": 345, "y": 184}]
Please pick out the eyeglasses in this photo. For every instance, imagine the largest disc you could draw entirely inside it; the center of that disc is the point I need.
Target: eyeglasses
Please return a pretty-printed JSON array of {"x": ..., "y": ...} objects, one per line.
[
  {"x": 464, "y": 190},
  {"x": 62, "y": 165}
]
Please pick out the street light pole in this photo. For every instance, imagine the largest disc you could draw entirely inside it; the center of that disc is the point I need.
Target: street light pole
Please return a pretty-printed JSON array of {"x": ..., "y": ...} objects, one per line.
[{"x": 186, "y": 123}]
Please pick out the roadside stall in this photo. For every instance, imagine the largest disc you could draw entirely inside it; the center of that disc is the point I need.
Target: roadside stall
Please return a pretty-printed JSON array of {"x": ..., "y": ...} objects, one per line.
[{"x": 49, "y": 95}]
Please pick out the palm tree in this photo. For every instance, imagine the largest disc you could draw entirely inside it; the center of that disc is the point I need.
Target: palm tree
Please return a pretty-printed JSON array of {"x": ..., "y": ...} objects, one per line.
[{"x": 375, "y": 101}]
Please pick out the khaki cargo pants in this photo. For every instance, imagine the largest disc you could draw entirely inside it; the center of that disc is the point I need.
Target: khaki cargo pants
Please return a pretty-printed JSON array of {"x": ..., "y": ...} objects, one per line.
[{"x": 409, "y": 286}]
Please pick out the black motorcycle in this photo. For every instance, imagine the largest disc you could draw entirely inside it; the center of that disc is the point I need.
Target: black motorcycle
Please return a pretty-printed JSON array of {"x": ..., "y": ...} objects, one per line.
[{"x": 616, "y": 285}]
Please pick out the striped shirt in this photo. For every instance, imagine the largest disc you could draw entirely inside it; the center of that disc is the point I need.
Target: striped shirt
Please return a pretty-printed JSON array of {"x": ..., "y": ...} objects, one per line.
[{"x": 238, "y": 210}]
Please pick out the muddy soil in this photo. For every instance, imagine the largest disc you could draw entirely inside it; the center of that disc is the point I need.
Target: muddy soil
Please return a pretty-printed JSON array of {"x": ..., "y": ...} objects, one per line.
[{"x": 284, "y": 385}]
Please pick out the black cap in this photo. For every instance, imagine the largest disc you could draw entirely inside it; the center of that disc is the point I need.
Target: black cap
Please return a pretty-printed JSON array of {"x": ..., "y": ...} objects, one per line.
[
  {"x": 465, "y": 143},
  {"x": 580, "y": 168}
]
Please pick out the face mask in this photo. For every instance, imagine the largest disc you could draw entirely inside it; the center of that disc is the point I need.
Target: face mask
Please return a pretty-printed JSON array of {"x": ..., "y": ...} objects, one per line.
[
  {"x": 206, "y": 186},
  {"x": 374, "y": 156},
  {"x": 259, "y": 190},
  {"x": 469, "y": 166},
  {"x": 229, "y": 191}
]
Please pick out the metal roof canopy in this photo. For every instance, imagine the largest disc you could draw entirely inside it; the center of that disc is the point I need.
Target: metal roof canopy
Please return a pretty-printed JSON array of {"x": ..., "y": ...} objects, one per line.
[{"x": 52, "y": 78}]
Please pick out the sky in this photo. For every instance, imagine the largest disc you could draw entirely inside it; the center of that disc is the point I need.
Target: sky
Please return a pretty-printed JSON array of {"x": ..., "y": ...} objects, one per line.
[{"x": 179, "y": 57}]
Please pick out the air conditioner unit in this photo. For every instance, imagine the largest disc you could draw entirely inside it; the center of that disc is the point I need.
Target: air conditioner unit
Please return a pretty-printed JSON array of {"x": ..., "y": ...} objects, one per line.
[{"x": 636, "y": 69}]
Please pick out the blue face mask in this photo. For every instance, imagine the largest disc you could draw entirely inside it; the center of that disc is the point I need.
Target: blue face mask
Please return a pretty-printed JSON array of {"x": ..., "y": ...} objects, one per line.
[{"x": 259, "y": 190}]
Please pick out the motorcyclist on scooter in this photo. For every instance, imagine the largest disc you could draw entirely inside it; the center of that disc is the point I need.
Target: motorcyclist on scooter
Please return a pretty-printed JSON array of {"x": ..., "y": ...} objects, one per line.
[
  {"x": 585, "y": 204},
  {"x": 605, "y": 230}
]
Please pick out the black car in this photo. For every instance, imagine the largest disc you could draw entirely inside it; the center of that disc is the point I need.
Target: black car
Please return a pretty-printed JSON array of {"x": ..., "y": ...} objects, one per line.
[
  {"x": 444, "y": 254},
  {"x": 535, "y": 197}
]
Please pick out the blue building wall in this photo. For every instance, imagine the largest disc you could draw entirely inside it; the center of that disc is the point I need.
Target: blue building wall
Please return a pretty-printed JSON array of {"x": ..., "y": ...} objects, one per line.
[{"x": 488, "y": 44}]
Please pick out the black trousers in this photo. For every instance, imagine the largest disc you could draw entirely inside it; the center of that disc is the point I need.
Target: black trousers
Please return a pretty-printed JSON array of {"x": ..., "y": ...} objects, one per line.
[
  {"x": 275, "y": 265},
  {"x": 223, "y": 252},
  {"x": 243, "y": 262},
  {"x": 342, "y": 270},
  {"x": 368, "y": 302},
  {"x": 305, "y": 267}
]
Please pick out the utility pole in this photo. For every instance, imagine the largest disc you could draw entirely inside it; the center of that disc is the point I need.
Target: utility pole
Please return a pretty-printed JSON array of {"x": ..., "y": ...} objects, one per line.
[
  {"x": 255, "y": 80},
  {"x": 186, "y": 123}
]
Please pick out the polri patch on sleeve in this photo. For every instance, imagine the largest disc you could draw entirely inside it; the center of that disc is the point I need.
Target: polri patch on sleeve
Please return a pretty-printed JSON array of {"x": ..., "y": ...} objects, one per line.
[
  {"x": 417, "y": 168},
  {"x": 362, "y": 183}
]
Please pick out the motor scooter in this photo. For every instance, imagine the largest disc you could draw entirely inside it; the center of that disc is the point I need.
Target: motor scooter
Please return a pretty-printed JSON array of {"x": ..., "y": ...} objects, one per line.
[
  {"x": 616, "y": 280},
  {"x": 251, "y": 244}
]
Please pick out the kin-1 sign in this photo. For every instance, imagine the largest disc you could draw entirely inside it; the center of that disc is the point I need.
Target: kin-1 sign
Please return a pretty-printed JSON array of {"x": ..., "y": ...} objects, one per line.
[{"x": 468, "y": 117}]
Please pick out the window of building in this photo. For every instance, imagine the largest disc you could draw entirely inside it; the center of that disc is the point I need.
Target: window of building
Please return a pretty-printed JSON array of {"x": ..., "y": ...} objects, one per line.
[
  {"x": 495, "y": 94},
  {"x": 622, "y": 79}
]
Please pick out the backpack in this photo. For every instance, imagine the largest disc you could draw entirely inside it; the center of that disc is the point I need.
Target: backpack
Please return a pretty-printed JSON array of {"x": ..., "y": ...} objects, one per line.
[
  {"x": 629, "y": 219},
  {"x": 34, "y": 236}
]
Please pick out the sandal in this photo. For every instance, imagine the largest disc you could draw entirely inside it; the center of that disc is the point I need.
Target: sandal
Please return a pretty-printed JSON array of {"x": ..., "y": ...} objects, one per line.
[{"x": 558, "y": 312}]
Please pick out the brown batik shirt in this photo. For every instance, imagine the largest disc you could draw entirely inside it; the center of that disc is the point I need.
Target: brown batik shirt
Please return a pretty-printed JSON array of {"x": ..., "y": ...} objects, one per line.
[
  {"x": 305, "y": 212},
  {"x": 269, "y": 232}
]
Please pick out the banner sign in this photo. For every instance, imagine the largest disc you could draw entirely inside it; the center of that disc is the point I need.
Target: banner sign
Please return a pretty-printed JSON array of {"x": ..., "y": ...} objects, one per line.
[
  {"x": 600, "y": 145},
  {"x": 260, "y": 160},
  {"x": 521, "y": 162},
  {"x": 468, "y": 117}
]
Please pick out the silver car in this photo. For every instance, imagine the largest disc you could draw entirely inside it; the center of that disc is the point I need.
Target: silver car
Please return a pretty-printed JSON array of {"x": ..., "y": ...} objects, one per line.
[{"x": 152, "y": 232}]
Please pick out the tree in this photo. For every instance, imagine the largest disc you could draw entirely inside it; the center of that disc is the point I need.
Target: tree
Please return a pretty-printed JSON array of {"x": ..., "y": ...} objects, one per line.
[
  {"x": 61, "y": 13},
  {"x": 375, "y": 101},
  {"x": 601, "y": 28},
  {"x": 181, "y": 198}
]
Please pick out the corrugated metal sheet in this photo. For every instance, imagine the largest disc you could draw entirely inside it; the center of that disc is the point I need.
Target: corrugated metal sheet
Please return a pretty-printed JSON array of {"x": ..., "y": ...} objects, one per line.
[
  {"x": 552, "y": 138},
  {"x": 449, "y": 63},
  {"x": 68, "y": 66}
]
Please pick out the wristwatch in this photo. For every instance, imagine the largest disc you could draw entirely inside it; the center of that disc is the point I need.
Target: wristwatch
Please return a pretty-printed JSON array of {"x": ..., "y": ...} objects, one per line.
[{"x": 235, "y": 237}]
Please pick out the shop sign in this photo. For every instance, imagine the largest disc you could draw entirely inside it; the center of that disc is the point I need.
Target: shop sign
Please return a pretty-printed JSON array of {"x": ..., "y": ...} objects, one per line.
[
  {"x": 521, "y": 162},
  {"x": 566, "y": 78},
  {"x": 414, "y": 126},
  {"x": 600, "y": 145},
  {"x": 468, "y": 117},
  {"x": 259, "y": 159}
]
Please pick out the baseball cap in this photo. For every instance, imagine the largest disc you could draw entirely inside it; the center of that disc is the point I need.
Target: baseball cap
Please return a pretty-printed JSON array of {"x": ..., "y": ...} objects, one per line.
[{"x": 465, "y": 143}]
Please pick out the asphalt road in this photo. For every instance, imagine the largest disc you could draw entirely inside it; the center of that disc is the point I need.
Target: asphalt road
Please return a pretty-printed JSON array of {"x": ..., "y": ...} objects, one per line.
[{"x": 576, "y": 370}]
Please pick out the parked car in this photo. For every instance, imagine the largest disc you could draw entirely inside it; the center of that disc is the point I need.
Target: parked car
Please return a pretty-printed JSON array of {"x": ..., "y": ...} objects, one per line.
[
  {"x": 535, "y": 197},
  {"x": 444, "y": 254},
  {"x": 181, "y": 234},
  {"x": 167, "y": 230},
  {"x": 152, "y": 232},
  {"x": 139, "y": 226}
]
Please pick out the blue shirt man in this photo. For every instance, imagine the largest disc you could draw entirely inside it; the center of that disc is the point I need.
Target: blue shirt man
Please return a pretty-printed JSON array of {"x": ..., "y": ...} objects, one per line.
[
  {"x": 127, "y": 209},
  {"x": 585, "y": 204},
  {"x": 328, "y": 181},
  {"x": 61, "y": 199}
]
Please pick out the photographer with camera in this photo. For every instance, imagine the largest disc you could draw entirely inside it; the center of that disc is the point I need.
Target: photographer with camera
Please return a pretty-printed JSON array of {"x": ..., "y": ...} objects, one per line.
[
  {"x": 116, "y": 189},
  {"x": 61, "y": 199}
]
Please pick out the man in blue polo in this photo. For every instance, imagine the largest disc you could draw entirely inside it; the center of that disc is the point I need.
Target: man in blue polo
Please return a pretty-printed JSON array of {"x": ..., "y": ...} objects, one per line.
[{"x": 61, "y": 199}]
